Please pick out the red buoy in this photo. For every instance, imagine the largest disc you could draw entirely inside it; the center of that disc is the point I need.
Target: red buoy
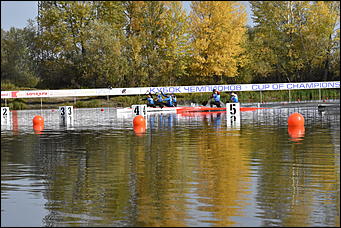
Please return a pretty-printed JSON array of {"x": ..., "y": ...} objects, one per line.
[
  {"x": 38, "y": 120},
  {"x": 139, "y": 121},
  {"x": 296, "y": 119},
  {"x": 102, "y": 109}
]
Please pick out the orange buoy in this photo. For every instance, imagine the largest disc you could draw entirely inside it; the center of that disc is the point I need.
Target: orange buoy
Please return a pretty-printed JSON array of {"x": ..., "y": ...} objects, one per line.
[
  {"x": 139, "y": 121},
  {"x": 296, "y": 119},
  {"x": 296, "y": 132},
  {"x": 139, "y": 129},
  {"x": 38, "y": 120}
]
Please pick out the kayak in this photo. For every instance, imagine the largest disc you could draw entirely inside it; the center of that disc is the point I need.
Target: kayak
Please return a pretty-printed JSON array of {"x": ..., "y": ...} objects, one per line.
[
  {"x": 149, "y": 110},
  {"x": 183, "y": 109},
  {"x": 209, "y": 109}
]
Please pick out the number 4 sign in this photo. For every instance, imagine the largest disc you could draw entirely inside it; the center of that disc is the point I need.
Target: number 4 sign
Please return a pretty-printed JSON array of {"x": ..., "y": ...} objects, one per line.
[
  {"x": 233, "y": 114},
  {"x": 139, "y": 110}
]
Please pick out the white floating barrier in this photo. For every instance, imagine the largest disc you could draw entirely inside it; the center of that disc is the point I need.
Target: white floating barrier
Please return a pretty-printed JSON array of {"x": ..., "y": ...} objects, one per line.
[
  {"x": 233, "y": 115},
  {"x": 66, "y": 115},
  {"x": 5, "y": 116}
]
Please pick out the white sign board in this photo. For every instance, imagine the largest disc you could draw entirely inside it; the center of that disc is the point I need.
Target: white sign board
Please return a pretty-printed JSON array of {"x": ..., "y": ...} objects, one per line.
[
  {"x": 66, "y": 115},
  {"x": 139, "y": 110},
  {"x": 169, "y": 89},
  {"x": 5, "y": 115},
  {"x": 233, "y": 114}
]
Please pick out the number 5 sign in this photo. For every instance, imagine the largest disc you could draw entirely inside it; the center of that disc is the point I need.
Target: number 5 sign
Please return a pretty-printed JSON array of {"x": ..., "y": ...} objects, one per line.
[{"x": 233, "y": 114}]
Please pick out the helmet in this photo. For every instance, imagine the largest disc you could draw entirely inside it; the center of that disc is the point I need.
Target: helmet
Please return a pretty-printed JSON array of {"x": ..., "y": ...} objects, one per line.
[{"x": 214, "y": 90}]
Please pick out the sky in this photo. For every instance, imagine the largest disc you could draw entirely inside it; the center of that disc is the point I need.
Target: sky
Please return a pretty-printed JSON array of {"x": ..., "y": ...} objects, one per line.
[{"x": 16, "y": 13}]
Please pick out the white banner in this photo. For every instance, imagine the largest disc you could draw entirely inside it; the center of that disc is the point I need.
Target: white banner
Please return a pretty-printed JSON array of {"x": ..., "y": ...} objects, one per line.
[{"x": 169, "y": 89}]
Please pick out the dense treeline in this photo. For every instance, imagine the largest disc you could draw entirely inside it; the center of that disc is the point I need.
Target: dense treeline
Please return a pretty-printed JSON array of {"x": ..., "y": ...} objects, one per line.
[{"x": 94, "y": 44}]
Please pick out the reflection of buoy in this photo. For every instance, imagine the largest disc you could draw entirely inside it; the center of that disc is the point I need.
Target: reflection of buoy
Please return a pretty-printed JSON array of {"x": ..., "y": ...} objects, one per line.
[
  {"x": 38, "y": 120},
  {"x": 296, "y": 119},
  {"x": 139, "y": 121},
  {"x": 38, "y": 128},
  {"x": 139, "y": 129},
  {"x": 296, "y": 132}
]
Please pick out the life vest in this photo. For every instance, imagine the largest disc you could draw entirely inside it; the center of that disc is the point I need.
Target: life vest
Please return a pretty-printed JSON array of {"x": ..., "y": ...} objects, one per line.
[
  {"x": 234, "y": 99},
  {"x": 216, "y": 97},
  {"x": 169, "y": 101},
  {"x": 159, "y": 98},
  {"x": 150, "y": 100}
]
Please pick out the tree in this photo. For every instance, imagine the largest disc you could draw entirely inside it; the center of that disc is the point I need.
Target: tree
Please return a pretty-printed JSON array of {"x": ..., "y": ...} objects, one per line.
[
  {"x": 218, "y": 32},
  {"x": 293, "y": 40},
  {"x": 155, "y": 42},
  {"x": 80, "y": 40},
  {"x": 18, "y": 57}
]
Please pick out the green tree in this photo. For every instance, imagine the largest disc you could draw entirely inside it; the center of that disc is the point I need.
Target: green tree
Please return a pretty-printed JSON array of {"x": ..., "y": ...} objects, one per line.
[{"x": 18, "y": 64}]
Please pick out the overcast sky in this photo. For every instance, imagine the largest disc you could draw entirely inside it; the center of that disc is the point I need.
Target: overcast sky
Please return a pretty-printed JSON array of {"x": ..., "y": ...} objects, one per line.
[{"x": 16, "y": 13}]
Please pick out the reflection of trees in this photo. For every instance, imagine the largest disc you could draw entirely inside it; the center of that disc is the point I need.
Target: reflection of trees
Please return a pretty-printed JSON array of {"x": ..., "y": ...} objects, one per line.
[
  {"x": 172, "y": 178},
  {"x": 294, "y": 179},
  {"x": 223, "y": 176}
]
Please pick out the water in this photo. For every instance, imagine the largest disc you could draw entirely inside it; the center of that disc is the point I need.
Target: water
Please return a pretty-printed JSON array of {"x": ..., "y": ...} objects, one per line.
[{"x": 184, "y": 171}]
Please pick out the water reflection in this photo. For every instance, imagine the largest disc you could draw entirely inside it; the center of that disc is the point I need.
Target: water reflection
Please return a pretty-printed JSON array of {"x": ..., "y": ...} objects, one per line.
[
  {"x": 296, "y": 133},
  {"x": 184, "y": 171}
]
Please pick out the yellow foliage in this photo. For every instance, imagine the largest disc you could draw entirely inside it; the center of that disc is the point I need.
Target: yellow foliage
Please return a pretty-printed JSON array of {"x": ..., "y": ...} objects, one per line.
[{"x": 218, "y": 30}]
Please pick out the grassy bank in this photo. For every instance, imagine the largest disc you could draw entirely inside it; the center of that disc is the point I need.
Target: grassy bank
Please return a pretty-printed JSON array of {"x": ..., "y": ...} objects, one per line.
[{"x": 183, "y": 99}]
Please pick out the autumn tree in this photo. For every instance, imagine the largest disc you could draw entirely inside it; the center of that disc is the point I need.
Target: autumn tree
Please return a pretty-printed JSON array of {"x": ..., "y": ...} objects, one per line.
[
  {"x": 217, "y": 34},
  {"x": 155, "y": 42},
  {"x": 292, "y": 40}
]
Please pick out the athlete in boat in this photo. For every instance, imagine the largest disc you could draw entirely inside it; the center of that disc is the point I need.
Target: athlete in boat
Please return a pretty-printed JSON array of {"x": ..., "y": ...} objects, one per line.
[
  {"x": 168, "y": 100},
  {"x": 234, "y": 98},
  {"x": 215, "y": 100},
  {"x": 151, "y": 102},
  {"x": 174, "y": 100}
]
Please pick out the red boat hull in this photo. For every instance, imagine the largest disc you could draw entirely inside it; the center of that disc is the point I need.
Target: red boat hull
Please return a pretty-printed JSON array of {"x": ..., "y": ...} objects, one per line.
[{"x": 209, "y": 109}]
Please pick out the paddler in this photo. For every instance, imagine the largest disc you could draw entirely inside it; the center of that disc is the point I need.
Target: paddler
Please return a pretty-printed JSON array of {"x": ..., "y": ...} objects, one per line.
[
  {"x": 169, "y": 101},
  {"x": 151, "y": 102},
  {"x": 215, "y": 98},
  {"x": 234, "y": 97}
]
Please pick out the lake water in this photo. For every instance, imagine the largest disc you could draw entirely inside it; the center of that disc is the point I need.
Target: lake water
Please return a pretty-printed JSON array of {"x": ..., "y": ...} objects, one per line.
[{"x": 183, "y": 171}]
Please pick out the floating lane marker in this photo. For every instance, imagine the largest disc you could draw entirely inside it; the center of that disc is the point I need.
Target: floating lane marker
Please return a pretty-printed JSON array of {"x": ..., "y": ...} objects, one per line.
[
  {"x": 66, "y": 115},
  {"x": 296, "y": 119},
  {"x": 5, "y": 117},
  {"x": 233, "y": 115}
]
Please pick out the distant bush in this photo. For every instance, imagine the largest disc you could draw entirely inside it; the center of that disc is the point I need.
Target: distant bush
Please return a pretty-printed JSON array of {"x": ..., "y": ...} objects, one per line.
[{"x": 17, "y": 105}]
